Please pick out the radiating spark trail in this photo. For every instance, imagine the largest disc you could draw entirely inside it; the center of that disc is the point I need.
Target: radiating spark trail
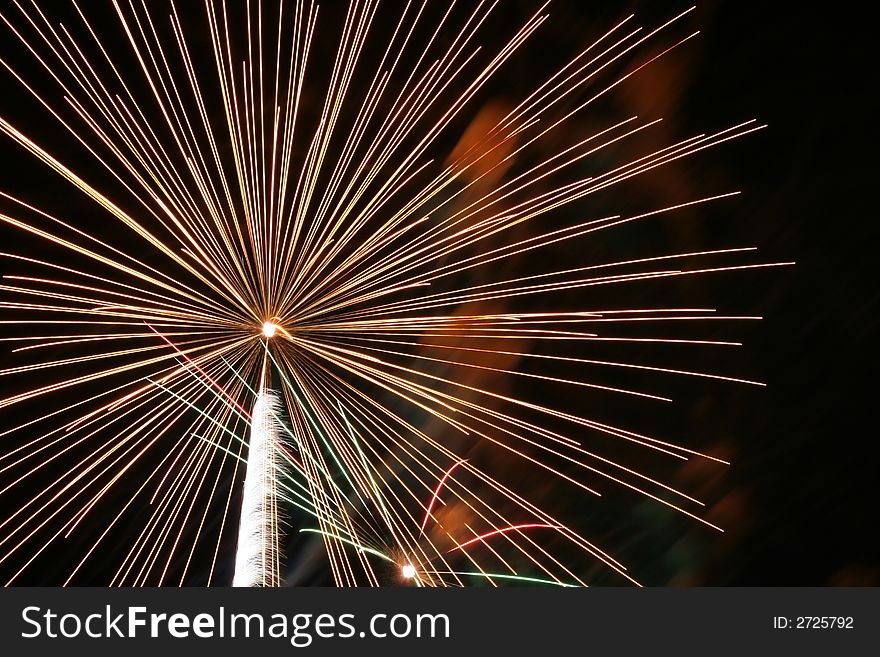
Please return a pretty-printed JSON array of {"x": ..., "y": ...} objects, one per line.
[{"x": 343, "y": 218}]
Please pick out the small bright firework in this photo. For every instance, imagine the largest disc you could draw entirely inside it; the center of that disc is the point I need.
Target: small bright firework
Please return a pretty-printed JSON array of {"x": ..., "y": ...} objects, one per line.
[{"x": 400, "y": 283}]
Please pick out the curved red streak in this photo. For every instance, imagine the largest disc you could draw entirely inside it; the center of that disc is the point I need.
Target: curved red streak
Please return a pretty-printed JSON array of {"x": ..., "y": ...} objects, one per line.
[
  {"x": 436, "y": 494},
  {"x": 504, "y": 530}
]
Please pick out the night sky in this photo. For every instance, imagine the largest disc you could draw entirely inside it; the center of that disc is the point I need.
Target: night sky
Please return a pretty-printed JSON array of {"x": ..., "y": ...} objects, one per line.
[{"x": 799, "y": 501}]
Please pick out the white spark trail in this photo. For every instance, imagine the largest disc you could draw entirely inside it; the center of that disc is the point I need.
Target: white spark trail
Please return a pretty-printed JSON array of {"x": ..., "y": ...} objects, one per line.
[{"x": 257, "y": 557}]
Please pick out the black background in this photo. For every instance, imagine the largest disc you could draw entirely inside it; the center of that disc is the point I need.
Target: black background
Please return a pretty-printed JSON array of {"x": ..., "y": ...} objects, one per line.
[{"x": 801, "y": 496}]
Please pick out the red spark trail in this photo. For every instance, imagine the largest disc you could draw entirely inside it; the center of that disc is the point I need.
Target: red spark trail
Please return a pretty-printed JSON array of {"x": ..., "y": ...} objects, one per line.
[
  {"x": 434, "y": 497},
  {"x": 504, "y": 530}
]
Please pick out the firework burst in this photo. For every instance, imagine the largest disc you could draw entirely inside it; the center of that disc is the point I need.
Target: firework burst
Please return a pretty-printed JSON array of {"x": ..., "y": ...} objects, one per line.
[{"x": 321, "y": 223}]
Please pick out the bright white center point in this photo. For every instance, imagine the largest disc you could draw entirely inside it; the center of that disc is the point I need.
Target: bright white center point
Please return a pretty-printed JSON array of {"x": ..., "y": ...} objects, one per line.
[
  {"x": 409, "y": 571},
  {"x": 269, "y": 329}
]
